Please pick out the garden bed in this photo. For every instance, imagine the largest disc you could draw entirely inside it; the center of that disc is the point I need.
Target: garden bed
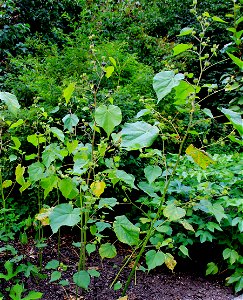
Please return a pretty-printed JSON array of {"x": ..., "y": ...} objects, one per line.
[{"x": 186, "y": 284}]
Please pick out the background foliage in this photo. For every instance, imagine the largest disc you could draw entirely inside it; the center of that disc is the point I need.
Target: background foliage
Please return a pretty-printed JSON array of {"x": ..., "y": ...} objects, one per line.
[{"x": 83, "y": 73}]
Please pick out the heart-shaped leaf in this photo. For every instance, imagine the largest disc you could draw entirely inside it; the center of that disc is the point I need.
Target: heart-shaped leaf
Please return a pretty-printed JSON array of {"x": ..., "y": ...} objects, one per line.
[
  {"x": 125, "y": 231},
  {"x": 82, "y": 279},
  {"x": 70, "y": 121},
  {"x": 152, "y": 173},
  {"x": 154, "y": 259},
  {"x": 107, "y": 251},
  {"x": 164, "y": 82},
  {"x": 174, "y": 213},
  {"x": 108, "y": 117},
  {"x": 64, "y": 214},
  {"x": 138, "y": 135},
  {"x": 11, "y": 101}
]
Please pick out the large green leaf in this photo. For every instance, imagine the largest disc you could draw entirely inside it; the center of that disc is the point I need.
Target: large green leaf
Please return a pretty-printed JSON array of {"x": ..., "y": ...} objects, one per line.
[
  {"x": 107, "y": 251},
  {"x": 16, "y": 141},
  {"x": 184, "y": 250},
  {"x": 218, "y": 19},
  {"x": 53, "y": 264},
  {"x": 138, "y": 135},
  {"x": 82, "y": 279},
  {"x": 72, "y": 146},
  {"x": 215, "y": 209},
  {"x": 11, "y": 101},
  {"x": 36, "y": 171},
  {"x": 68, "y": 188},
  {"x": 48, "y": 184},
  {"x": 64, "y": 214},
  {"x": 36, "y": 139},
  {"x": 58, "y": 133},
  {"x": 125, "y": 231},
  {"x": 235, "y": 119},
  {"x": 107, "y": 203},
  {"x": 218, "y": 211},
  {"x": 164, "y": 82},
  {"x": 236, "y": 60},
  {"x": 102, "y": 226},
  {"x": 174, "y": 213},
  {"x": 108, "y": 117},
  {"x": 152, "y": 173},
  {"x": 17, "y": 124},
  {"x": 6, "y": 184},
  {"x": 51, "y": 153},
  {"x": 183, "y": 90},
  {"x": 186, "y": 31},
  {"x": 237, "y": 278},
  {"x": 127, "y": 178},
  {"x": 154, "y": 259},
  {"x": 70, "y": 121},
  {"x": 181, "y": 48},
  {"x": 33, "y": 295}
]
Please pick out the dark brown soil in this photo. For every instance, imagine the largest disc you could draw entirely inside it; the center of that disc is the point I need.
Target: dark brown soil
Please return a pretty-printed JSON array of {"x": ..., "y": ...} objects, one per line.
[{"x": 157, "y": 285}]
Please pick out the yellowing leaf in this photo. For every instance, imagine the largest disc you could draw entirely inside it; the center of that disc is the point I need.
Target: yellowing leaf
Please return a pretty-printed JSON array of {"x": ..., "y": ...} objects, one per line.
[
  {"x": 200, "y": 157},
  {"x": 19, "y": 172},
  {"x": 97, "y": 188},
  {"x": 7, "y": 183},
  {"x": 24, "y": 186},
  {"x": 113, "y": 61},
  {"x": 108, "y": 71},
  {"x": 43, "y": 216},
  {"x": 123, "y": 298},
  {"x": 170, "y": 261},
  {"x": 186, "y": 225},
  {"x": 67, "y": 93}
]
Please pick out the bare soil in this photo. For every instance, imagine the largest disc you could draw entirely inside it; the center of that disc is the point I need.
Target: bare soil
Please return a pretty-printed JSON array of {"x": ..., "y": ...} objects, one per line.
[{"x": 161, "y": 284}]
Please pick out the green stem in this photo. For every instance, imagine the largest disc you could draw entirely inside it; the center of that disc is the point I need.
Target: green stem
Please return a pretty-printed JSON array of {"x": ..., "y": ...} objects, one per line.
[
  {"x": 149, "y": 233},
  {"x": 3, "y": 199},
  {"x": 59, "y": 231},
  {"x": 81, "y": 264},
  {"x": 41, "y": 251},
  {"x": 123, "y": 266}
]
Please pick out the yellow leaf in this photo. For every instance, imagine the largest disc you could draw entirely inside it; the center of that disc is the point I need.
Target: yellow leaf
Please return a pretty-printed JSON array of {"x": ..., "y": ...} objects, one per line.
[
  {"x": 7, "y": 183},
  {"x": 24, "y": 186},
  {"x": 67, "y": 93},
  {"x": 123, "y": 298},
  {"x": 200, "y": 157},
  {"x": 170, "y": 261},
  {"x": 43, "y": 216},
  {"x": 187, "y": 225},
  {"x": 97, "y": 188},
  {"x": 108, "y": 71},
  {"x": 19, "y": 172}
]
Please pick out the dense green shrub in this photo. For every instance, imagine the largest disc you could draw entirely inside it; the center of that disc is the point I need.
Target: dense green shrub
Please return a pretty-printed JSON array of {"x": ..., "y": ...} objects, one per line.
[{"x": 44, "y": 79}]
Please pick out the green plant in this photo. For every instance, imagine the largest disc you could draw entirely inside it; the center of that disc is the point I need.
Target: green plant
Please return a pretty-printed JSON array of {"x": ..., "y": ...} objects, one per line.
[
  {"x": 72, "y": 156},
  {"x": 170, "y": 209},
  {"x": 59, "y": 267},
  {"x": 17, "y": 290}
]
